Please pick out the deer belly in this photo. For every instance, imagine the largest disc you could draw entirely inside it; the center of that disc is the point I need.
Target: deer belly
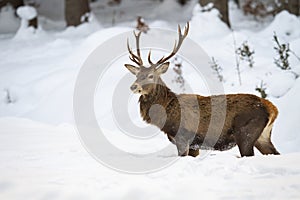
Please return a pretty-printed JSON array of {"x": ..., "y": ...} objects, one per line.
[
  {"x": 221, "y": 144},
  {"x": 224, "y": 144}
]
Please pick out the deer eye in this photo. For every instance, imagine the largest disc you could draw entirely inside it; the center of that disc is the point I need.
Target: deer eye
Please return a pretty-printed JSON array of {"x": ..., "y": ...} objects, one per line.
[{"x": 150, "y": 76}]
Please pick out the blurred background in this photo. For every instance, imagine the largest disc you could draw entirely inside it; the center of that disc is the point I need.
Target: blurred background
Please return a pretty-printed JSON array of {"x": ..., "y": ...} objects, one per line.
[
  {"x": 252, "y": 46},
  {"x": 57, "y": 14}
]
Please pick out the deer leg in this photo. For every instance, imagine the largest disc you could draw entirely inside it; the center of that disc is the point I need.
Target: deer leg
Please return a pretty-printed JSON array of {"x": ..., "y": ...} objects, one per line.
[
  {"x": 264, "y": 144},
  {"x": 245, "y": 144},
  {"x": 246, "y": 131},
  {"x": 266, "y": 147},
  {"x": 181, "y": 144},
  {"x": 183, "y": 140},
  {"x": 171, "y": 139},
  {"x": 193, "y": 152},
  {"x": 182, "y": 147}
]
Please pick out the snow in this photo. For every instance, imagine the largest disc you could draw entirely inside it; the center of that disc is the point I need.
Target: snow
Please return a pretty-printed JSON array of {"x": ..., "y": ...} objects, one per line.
[
  {"x": 43, "y": 157},
  {"x": 40, "y": 161},
  {"x": 27, "y": 12},
  {"x": 288, "y": 107},
  {"x": 48, "y": 162},
  {"x": 284, "y": 24},
  {"x": 280, "y": 88},
  {"x": 8, "y": 21},
  {"x": 201, "y": 27}
]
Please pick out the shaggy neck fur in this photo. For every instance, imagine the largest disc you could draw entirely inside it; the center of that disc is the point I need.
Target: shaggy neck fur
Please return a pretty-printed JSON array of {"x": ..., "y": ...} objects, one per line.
[{"x": 160, "y": 95}]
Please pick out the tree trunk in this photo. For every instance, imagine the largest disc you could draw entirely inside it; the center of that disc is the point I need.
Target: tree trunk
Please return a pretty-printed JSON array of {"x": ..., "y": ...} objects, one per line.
[
  {"x": 294, "y": 6},
  {"x": 15, "y": 3},
  {"x": 222, "y": 6},
  {"x": 75, "y": 11},
  {"x": 237, "y": 2}
]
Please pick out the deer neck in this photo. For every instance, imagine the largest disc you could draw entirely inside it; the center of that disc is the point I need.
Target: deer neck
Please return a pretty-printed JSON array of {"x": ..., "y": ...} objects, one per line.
[{"x": 161, "y": 95}]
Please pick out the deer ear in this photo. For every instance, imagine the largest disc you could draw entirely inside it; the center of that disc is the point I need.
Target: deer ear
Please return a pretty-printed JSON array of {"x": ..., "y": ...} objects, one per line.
[
  {"x": 163, "y": 68},
  {"x": 133, "y": 69}
]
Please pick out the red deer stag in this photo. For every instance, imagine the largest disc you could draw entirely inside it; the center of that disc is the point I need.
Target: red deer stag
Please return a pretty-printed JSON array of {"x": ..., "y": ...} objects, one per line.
[{"x": 248, "y": 119}]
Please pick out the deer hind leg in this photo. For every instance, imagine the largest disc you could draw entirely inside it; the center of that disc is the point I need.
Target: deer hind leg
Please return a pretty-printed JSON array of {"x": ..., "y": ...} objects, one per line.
[
  {"x": 247, "y": 129},
  {"x": 264, "y": 144}
]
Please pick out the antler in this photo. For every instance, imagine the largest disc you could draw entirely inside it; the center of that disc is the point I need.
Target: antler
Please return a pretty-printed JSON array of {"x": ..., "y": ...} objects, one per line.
[
  {"x": 136, "y": 58},
  {"x": 177, "y": 46}
]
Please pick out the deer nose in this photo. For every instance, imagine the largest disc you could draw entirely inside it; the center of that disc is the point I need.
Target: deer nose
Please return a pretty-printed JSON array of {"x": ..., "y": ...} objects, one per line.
[{"x": 133, "y": 87}]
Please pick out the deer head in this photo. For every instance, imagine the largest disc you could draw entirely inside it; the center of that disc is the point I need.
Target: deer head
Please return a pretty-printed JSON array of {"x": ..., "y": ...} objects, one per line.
[{"x": 149, "y": 77}]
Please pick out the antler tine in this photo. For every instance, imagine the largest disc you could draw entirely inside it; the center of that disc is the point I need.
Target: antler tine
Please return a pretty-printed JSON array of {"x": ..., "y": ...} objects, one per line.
[
  {"x": 132, "y": 57},
  {"x": 137, "y": 40},
  {"x": 130, "y": 50},
  {"x": 186, "y": 29},
  {"x": 179, "y": 30},
  {"x": 177, "y": 44},
  {"x": 149, "y": 58},
  {"x": 135, "y": 58}
]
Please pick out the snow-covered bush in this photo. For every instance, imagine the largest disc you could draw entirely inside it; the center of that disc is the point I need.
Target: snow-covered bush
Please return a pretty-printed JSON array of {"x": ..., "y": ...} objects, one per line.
[{"x": 27, "y": 15}]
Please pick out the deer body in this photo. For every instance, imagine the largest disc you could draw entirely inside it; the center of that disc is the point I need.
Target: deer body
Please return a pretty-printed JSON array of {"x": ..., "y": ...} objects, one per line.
[{"x": 186, "y": 118}]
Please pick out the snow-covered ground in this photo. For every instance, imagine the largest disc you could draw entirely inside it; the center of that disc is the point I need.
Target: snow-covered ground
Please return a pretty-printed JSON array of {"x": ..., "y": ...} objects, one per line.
[
  {"x": 39, "y": 161},
  {"x": 41, "y": 153}
]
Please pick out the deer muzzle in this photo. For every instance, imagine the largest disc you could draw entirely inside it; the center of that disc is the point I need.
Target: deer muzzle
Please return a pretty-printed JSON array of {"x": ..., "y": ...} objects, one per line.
[{"x": 135, "y": 88}]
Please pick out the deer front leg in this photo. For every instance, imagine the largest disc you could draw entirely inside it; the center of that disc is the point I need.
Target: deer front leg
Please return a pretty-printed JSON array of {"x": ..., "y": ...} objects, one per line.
[
  {"x": 182, "y": 148},
  {"x": 171, "y": 139},
  {"x": 193, "y": 152},
  {"x": 182, "y": 141}
]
